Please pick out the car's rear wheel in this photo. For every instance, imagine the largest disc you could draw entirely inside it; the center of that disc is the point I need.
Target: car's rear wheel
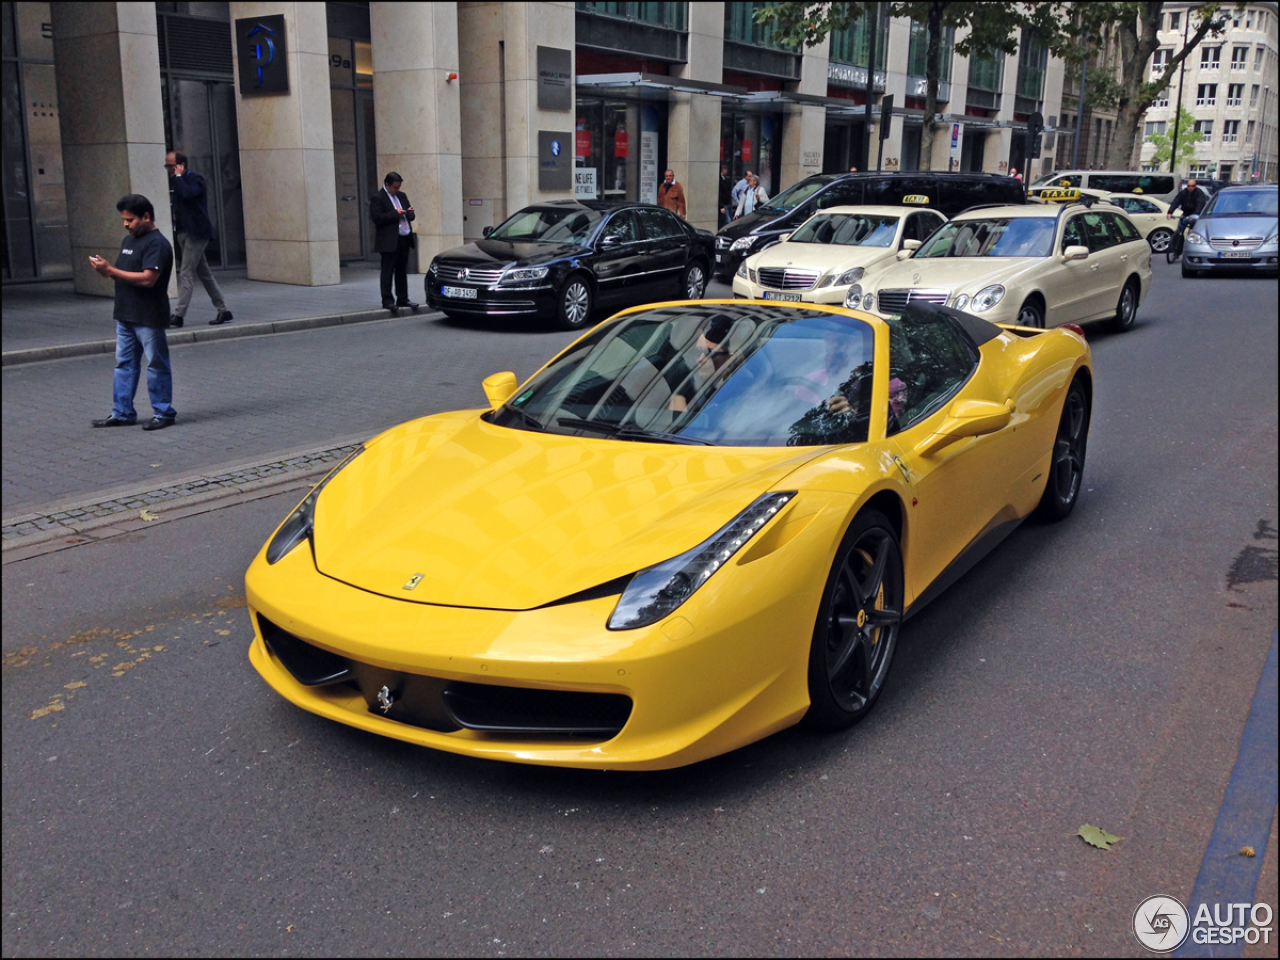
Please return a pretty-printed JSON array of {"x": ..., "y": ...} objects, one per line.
[
  {"x": 1160, "y": 239},
  {"x": 573, "y": 307},
  {"x": 1126, "y": 308},
  {"x": 858, "y": 622},
  {"x": 1031, "y": 315},
  {"x": 1066, "y": 468},
  {"x": 695, "y": 281}
]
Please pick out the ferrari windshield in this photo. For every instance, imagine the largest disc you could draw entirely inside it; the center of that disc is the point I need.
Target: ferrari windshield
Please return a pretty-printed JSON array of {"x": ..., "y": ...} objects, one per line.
[
  {"x": 750, "y": 375},
  {"x": 850, "y": 229},
  {"x": 994, "y": 237},
  {"x": 548, "y": 225}
]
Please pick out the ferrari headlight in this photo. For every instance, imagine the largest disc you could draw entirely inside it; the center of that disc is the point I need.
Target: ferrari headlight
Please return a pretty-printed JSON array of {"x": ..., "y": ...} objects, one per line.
[
  {"x": 299, "y": 525},
  {"x": 851, "y": 276},
  {"x": 1196, "y": 237},
  {"x": 742, "y": 269},
  {"x": 525, "y": 274},
  {"x": 987, "y": 297},
  {"x": 962, "y": 301},
  {"x": 853, "y": 299},
  {"x": 744, "y": 243},
  {"x": 658, "y": 591}
]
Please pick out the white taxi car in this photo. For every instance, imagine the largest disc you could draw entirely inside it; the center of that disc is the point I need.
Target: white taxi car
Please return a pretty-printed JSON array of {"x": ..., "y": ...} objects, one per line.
[
  {"x": 1148, "y": 214},
  {"x": 831, "y": 251},
  {"x": 1033, "y": 265}
]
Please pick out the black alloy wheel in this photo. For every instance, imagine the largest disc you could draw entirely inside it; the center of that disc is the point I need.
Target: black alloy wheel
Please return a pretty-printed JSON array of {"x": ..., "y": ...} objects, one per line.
[
  {"x": 1159, "y": 239},
  {"x": 573, "y": 306},
  {"x": 1031, "y": 315},
  {"x": 1066, "y": 469},
  {"x": 856, "y": 633},
  {"x": 695, "y": 281},
  {"x": 1126, "y": 308}
]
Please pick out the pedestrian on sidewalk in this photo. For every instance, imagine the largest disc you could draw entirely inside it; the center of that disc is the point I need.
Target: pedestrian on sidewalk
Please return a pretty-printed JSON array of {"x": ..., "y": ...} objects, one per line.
[
  {"x": 141, "y": 272},
  {"x": 752, "y": 197},
  {"x": 192, "y": 231},
  {"x": 392, "y": 212},
  {"x": 671, "y": 194},
  {"x": 735, "y": 195},
  {"x": 726, "y": 192}
]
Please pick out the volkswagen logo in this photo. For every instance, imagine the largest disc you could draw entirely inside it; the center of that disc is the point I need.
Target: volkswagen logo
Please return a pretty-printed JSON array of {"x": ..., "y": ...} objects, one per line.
[{"x": 464, "y": 273}]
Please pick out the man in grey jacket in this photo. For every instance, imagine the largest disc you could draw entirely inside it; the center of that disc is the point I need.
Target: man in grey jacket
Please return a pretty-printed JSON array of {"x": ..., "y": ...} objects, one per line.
[{"x": 192, "y": 231}]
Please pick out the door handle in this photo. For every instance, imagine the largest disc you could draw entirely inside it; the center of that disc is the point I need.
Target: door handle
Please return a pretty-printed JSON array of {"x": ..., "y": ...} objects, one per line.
[
  {"x": 348, "y": 198},
  {"x": 1124, "y": 256},
  {"x": 1094, "y": 267}
]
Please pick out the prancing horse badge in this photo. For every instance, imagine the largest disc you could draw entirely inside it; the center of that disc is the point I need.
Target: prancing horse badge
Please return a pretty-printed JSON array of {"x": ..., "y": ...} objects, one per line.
[{"x": 412, "y": 582}]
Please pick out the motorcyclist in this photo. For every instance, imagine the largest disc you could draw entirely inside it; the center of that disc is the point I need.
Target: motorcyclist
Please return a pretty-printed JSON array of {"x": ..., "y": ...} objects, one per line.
[{"x": 1190, "y": 200}]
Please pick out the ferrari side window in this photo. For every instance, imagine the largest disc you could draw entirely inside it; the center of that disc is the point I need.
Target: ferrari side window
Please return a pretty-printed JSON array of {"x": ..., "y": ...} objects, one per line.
[{"x": 929, "y": 360}]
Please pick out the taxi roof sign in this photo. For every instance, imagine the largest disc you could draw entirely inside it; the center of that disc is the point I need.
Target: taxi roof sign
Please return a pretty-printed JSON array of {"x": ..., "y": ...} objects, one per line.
[
  {"x": 1057, "y": 194},
  {"x": 919, "y": 198}
]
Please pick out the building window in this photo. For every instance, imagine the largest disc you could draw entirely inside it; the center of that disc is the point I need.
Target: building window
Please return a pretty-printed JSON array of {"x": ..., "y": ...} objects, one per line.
[
  {"x": 741, "y": 27},
  {"x": 1162, "y": 99},
  {"x": 673, "y": 16},
  {"x": 1031, "y": 65},
  {"x": 1248, "y": 20},
  {"x": 1210, "y": 58},
  {"x": 1160, "y": 59},
  {"x": 1239, "y": 58},
  {"x": 1248, "y": 132},
  {"x": 1230, "y": 131},
  {"x": 1253, "y": 96},
  {"x": 1257, "y": 58},
  {"x": 1175, "y": 21},
  {"x": 987, "y": 74},
  {"x": 1205, "y": 129},
  {"x": 1235, "y": 94},
  {"x": 1154, "y": 126},
  {"x": 853, "y": 44},
  {"x": 919, "y": 49},
  {"x": 1206, "y": 95}
]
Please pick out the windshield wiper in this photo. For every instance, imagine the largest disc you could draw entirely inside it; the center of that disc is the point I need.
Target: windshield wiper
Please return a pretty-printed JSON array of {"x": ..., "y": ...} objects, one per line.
[
  {"x": 618, "y": 432},
  {"x": 529, "y": 421}
]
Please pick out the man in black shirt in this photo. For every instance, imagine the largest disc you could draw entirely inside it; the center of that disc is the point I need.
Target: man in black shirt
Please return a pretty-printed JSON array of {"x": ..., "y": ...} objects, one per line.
[{"x": 141, "y": 273}]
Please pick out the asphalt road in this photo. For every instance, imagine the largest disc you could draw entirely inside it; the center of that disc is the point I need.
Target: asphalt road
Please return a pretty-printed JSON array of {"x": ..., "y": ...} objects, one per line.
[{"x": 159, "y": 799}]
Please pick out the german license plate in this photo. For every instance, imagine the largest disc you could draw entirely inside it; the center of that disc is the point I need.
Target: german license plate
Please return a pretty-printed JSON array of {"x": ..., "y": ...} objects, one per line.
[
  {"x": 1234, "y": 254},
  {"x": 793, "y": 297},
  {"x": 719, "y": 258},
  {"x": 466, "y": 293}
]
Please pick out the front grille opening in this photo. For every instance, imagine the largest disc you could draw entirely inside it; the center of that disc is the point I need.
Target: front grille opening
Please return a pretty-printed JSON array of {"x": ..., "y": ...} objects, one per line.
[
  {"x": 309, "y": 665},
  {"x": 517, "y": 710}
]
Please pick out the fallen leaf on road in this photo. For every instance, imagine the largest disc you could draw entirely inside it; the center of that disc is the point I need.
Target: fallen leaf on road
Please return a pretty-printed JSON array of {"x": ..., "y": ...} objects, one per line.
[
  {"x": 1248, "y": 852},
  {"x": 53, "y": 707},
  {"x": 148, "y": 515},
  {"x": 1097, "y": 837},
  {"x": 75, "y": 685}
]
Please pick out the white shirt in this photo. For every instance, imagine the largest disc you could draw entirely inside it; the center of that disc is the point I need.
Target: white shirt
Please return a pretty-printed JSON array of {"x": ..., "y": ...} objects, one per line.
[{"x": 395, "y": 202}]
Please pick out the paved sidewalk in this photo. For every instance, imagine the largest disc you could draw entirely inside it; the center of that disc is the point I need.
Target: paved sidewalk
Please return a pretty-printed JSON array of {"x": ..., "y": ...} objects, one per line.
[{"x": 44, "y": 321}]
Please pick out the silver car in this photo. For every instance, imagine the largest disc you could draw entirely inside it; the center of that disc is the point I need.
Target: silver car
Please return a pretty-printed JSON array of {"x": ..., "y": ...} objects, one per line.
[{"x": 1236, "y": 231}]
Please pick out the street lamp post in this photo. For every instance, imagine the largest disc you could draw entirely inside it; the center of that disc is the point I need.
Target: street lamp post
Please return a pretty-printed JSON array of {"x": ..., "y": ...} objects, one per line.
[{"x": 1177, "y": 116}]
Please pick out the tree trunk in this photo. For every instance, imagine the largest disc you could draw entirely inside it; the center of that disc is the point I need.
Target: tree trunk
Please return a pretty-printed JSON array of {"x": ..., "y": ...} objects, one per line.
[
  {"x": 1135, "y": 54},
  {"x": 931, "y": 85}
]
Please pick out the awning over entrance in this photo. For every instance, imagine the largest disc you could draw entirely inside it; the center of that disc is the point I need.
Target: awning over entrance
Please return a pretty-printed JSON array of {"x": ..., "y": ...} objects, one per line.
[{"x": 651, "y": 86}]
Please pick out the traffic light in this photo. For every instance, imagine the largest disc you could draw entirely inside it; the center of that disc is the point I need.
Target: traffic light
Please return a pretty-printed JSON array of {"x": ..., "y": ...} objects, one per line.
[
  {"x": 886, "y": 114},
  {"x": 1035, "y": 126}
]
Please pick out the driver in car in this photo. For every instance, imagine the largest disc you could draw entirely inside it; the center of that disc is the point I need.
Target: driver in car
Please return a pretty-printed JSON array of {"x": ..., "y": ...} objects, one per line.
[{"x": 712, "y": 354}]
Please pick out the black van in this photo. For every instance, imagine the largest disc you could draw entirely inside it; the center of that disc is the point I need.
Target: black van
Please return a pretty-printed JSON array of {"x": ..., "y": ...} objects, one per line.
[{"x": 948, "y": 193}]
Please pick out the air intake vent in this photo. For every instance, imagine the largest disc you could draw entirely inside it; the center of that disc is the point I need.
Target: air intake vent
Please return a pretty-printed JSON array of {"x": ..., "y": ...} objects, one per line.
[{"x": 195, "y": 44}]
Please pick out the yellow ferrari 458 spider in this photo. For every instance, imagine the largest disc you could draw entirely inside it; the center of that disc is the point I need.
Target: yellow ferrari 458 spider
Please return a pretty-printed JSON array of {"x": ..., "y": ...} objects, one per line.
[{"x": 700, "y": 523}]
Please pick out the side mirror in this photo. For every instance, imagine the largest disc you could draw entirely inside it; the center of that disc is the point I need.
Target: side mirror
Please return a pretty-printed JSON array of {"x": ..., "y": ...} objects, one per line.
[
  {"x": 967, "y": 418},
  {"x": 499, "y": 387},
  {"x": 609, "y": 241},
  {"x": 784, "y": 237},
  {"x": 487, "y": 231},
  {"x": 910, "y": 244},
  {"x": 1075, "y": 253}
]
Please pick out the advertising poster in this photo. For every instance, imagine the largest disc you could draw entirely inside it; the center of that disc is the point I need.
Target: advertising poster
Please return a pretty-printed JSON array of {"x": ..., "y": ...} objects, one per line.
[
  {"x": 584, "y": 183},
  {"x": 649, "y": 154}
]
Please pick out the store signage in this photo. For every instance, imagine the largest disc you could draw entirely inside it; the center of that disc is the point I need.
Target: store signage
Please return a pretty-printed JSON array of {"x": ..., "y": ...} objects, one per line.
[
  {"x": 584, "y": 183},
  {"x": 261, "y": 51},
  {"x": 847, "y": 75},
  {"x": 555, "y": 78},
  {"x": 555, "y": 165},
  {"x": 620, "y": 144},
  {"x": 582, "y": 143},
  {"x": 746, "y": 151},
  {"x": 649, "y": 166},
  {"x": 955, "y": 139}
]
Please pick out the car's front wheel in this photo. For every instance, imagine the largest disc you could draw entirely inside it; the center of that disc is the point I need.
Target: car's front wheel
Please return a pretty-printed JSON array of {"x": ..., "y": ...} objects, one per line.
[
  {"x": 695, "y": 281},
  {"x": 858, "y": 622},
  {"x": 573, "y": 308},
  {"x": 1031, "y": 315},
  {"x": 1160, "y": 240},
  {"x": 1066, "y": 467}
]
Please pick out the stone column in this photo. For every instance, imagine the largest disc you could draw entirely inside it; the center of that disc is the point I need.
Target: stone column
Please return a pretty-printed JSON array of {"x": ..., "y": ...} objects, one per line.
[
  {"x": 804, "y": 127},
  {"x": 481, "y": 41},
  {"x": 416, "y": 109},
  {"x": 112, "y": 123},
  {"x": 286, "y": 157},
  {"x": 693, "y": 119},
  {"x": 895, "y": 82}
]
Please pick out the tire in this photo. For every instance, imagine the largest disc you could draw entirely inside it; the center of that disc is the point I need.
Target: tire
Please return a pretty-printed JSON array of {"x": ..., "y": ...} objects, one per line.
[
  {"x": 1174, "y": 252},
  {"x": 858, "y": 622},
  {"x": 1126, "y": 308},
  {"x": 1030, "y": 314},
  {"x": 1160, "y": 239},
  {"x": 695, "y": 281},
  {"x": 573, "y": 305},
  {"x": 1066, "y": 466}
]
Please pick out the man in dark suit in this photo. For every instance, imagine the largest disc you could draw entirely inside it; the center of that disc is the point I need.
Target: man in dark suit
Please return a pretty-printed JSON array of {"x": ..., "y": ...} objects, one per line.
[{"x": 392, "y": 214}]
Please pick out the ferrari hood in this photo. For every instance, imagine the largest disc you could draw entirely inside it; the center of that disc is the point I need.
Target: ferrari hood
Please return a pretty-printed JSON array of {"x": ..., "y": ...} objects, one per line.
[
  {"x": 958, "y": 274},
  {"x": 499, "y": 518}
]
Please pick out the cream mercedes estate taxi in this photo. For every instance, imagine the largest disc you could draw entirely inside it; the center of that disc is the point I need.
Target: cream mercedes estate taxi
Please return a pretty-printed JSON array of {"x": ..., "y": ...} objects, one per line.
[
  {"x": 1036, "y": 265},
  {"x": 832, "y": 250}
]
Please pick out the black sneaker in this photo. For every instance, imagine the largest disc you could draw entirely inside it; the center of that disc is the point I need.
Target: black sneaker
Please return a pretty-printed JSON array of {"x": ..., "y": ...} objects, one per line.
[
  {"x": 175, "y": 321},
  {"x": 224, "y": 316},
  {"x": 159, "y": 423},
  {"x": 113, "y": 421}
]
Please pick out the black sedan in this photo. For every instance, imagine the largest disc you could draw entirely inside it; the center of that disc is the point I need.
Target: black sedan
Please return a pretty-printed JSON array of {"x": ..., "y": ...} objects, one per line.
[{"x": 563, "y": 258}]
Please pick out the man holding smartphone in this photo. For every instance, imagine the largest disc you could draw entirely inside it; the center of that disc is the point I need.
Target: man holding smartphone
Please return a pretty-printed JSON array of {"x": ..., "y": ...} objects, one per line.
[{"x": 141, "y": 273}]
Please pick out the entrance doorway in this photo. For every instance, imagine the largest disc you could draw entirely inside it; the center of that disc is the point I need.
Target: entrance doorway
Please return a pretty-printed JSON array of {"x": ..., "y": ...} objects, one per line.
[{"x": 355, "y": 171}]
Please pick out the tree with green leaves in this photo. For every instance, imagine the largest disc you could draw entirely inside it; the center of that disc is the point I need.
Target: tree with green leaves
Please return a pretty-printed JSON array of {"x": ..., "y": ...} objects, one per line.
[{"x": 1188, "y": 137}]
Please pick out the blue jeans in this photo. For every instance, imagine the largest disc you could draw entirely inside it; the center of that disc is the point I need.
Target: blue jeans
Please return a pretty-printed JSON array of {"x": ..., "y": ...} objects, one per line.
[{"x": 131, "y": 343}]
